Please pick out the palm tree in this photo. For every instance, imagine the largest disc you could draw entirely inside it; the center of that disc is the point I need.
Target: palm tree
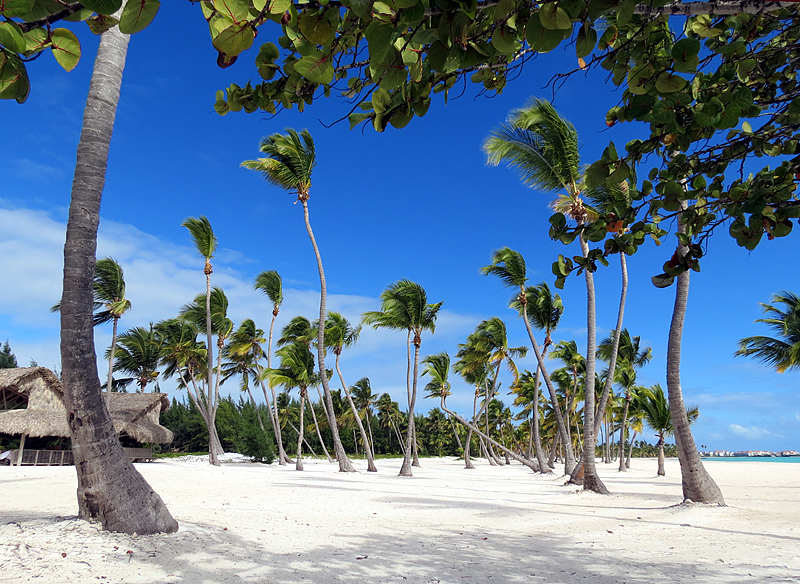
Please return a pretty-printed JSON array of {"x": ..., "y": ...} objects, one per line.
[
  {"x": 271, "y": 284},
  {"x": 365, "y": 400},
  {"x": 404, "y": 306},
  {"x": 631, "y": 358},
  {"x": 656, "y": 413},
  {"x": 296, "y": 370},
  {"x": 543, "y": 146},
  {"x": 696, "y": 483},
  {"x": 339, "y": 333},
  {"x": 783, "y": 352},
  {"x": 109, "y": 487},
  {"x": 509, "y": 266},
  {"x": 137, "y": 354},
  {"x": 475, "y": 371},
  {"x": 390, "y": 416},
  {"x": 438, "y": 368},
  {"x": 209, "y": 312},
  {"x": 288, "y": 165},
  {"x": 244, "y": 353},
  {"x": 206, "y": 243}
]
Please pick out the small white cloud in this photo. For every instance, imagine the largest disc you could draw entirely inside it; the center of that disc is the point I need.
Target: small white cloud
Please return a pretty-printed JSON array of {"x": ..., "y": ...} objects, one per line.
[
  {"x": 752, "y": 432},
  {"x": 30, "y": 170}
]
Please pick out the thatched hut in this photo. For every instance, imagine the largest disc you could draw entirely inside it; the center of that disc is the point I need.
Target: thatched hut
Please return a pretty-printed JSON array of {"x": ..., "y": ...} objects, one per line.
[{"x": 134, "y": 414}]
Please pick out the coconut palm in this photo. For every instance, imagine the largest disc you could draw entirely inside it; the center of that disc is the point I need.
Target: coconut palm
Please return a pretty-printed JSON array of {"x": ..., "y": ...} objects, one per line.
[
  {"x": 437, "y": 367},
  {"x": 206, "y": 243},
  {"x": 390, "y": 416},
  {"x": 545, "y": 312},
  {"x": 543, "y": 146},
  {"x": 137, "y": 353},
  {"x": 243, "y": 354},
  {"x": 404, "y": 306},
  {"x": 271, "y": 284},
  {"x": 475, "y": 370},
  {"x": 575, "y": 365},
  {"x": 339, "y": 334},
  {"x": 110, "y": 489},
  {"x": 296, "y": 371},
  {"x": 656, "y": 413},
  {"x": 209, "y": 313},
  {"x": 783, "y": 352},
  {"x": 288, "y": 165},
  {"x": 365, "y": 400}
]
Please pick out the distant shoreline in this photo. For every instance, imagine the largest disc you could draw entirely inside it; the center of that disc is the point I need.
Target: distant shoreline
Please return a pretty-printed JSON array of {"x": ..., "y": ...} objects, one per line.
[{"x": 795, "y": 459}]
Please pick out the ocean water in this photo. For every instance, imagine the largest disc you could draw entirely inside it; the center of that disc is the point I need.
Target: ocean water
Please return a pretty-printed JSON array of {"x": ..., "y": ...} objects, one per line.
[{"x": 795, "y": 459}]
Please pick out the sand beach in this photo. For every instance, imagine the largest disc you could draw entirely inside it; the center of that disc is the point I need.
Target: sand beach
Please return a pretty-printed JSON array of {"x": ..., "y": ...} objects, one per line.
[{"x": 255, "y": 523}]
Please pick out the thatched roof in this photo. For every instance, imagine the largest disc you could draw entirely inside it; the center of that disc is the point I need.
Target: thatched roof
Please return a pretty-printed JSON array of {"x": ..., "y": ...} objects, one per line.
[{"x": 134, "y": 414}]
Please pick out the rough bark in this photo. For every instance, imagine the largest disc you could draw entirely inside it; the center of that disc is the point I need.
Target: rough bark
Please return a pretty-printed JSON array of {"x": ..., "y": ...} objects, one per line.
[
  {"x": 591, "y": 480},
  {"x": 698, "y": 486},
  {"x": 716, "y": 8},
  {"x": 110, "y": 489},
  {"x": 344, "y": 463}
]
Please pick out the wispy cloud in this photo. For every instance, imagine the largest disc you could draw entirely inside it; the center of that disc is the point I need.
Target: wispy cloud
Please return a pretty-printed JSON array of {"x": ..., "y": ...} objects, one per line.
[{"x": 753, "y": 432}]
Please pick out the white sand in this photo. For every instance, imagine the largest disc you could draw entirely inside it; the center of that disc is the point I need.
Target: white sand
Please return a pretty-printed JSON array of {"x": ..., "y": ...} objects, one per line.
[{"x": 255, "y": 523}]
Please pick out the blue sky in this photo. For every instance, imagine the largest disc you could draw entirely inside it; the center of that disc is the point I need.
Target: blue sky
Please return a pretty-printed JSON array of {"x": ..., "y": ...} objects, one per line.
[{"x": 419, "y": 203}]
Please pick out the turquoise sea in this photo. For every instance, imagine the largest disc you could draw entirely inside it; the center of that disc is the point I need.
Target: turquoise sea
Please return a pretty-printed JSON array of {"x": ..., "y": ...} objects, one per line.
[{"x": 795, "y": 459}]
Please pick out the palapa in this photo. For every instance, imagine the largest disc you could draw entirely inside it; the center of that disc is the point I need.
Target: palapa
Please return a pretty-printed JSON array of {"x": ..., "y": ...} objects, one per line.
[{"x": 134, "y": 414}]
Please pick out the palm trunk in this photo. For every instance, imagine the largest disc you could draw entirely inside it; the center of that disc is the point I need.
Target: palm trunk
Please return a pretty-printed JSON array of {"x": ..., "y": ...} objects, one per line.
[
  {"x": 537, "y": 436},
  {"x": 316, "y": 426},
  {"x": 299, "y": 463},
  {"x": 367, "y": 445},
  {"x": 111, "y": 357},
  {"x": 533, "y": 465},
  {"x": 661, "y": 471},
  {"x": 110, "y": 489},
  {"x": 276, "y": 427},
  {"x": 591, "y": 480},
  {"x": 455, "y": 432},
  {"x": 562, "y": 428},
  {"x": 405, "y": 469},
  {"x": 630, "y": 450},
  {"x": 622, "y": 467},
  {"x": 344, "y": 463},
  {"x": 698, "y": 485},
  {"x": 255, "y": 407}
]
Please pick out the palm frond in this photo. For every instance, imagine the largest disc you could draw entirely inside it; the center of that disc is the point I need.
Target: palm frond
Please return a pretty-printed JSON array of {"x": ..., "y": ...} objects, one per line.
[
  {"x": 509, "y": 266},
  {"x": 271, "y": 284},
  {"x": 203, "y": 235}
]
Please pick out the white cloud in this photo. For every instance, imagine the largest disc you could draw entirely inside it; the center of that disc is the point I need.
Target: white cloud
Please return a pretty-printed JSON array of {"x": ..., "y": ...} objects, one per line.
[{"x": 752, "y": 432}]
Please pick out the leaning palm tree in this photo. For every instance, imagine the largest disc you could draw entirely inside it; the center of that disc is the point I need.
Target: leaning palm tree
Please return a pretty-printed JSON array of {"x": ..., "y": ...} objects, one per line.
[
  {"x": 110, "y": 489},
  {"x": 543, "y": 146},
  {"x": 339, "y": 334},
  {"x": 783, "y": 352},
  {"x": 404, "y": 306},
  {"x": 288, "y": 165},
  {"x": 655, "y": 410},
  {"x": 509, "y": 266}
]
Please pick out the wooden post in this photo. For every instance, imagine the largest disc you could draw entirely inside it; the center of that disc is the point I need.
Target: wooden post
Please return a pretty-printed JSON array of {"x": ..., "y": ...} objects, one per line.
[{"x": 21, "y": 450}]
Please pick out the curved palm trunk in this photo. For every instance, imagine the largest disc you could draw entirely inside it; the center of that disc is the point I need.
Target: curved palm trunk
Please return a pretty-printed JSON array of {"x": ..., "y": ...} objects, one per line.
[
  {"x": 111, "y": 357},
  {"x": 110, "y": 489},
  {"x": 411, "y": 438},
  {"x": 276, "y": 428},
  {"x": 455, "y": 433},
  {"x": 569, "y": 456},
  {"x": 622, "y": 466},
  {"x": 316, "y": 426},
  {"x": 591, "y": 480},
  {"x": 344, "y": 463},
  {"x": 299, "y": 463},
  {"x": 661, "y": 471},
  {"x": 697, "y": 484},
  {"x": 367, "y": 445},
  {"x": 630, "y": 450},
  {"x": 536, "y": 431}
]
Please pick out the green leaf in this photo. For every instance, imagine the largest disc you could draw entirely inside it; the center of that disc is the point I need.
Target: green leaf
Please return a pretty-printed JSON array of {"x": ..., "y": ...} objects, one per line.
[
  {"x": 639, "y": 79},
  {"x": 278, "y": 6},
  {"x": 106, "y": 7},
  {"x": 541, "y": 39},
  {"x": 66, "y": 48},
  {"x": 357, "y": 118},
  {"x": 99, "y": 23},
  {"x": 379, "y": 35},
  {"x": 670, "y": 83},
  {"x": 234, "y": 39},
  {"x": 596, "y": 174},
  {"x": 11, "y": 8},
  {"x": 11, "y": 37},
  {"x": 625, "y": 12},
  {"x": 317, "y": 68},
  {"x": 554, "y": 17},
  {"x": 14, "y": 83},
  {"x": 315, "y": 27},
  {"x": 138, "y": 15},
  {"x": 236, "y": 10},
  {"x": 662, "y": 281},
  {"x": 504, "y": 39},
  {"x": 685, "y": 55},
  {"x": 587, "y": 39}
]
